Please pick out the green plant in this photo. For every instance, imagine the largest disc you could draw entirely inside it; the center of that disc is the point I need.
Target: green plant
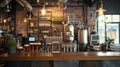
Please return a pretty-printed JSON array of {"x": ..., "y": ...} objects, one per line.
[
  {"x": 110, "y": 40},
  {"x": 11, "y": 42}
]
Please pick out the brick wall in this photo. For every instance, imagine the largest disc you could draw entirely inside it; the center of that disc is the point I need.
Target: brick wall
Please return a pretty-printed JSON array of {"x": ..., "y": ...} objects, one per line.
[
  {"x": 21, "y": 27},
  {"x": 76, "y": 13},
  {"x": 91, "y": 15}
]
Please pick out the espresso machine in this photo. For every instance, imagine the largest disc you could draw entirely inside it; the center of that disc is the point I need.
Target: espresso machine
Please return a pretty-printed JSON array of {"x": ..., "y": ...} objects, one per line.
[
  {"x": 70, "y": 33},
  {"x": 82, "y": 39}
]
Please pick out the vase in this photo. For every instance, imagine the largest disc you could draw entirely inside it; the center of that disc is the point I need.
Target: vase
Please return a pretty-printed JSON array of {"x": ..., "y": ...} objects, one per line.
[{"x": 12, "y": 50}]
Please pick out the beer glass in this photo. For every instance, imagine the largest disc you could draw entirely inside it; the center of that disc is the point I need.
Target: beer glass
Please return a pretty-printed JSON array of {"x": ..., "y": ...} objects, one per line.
[
  {"x": 20, "y": 50},
  {"x": 26, "y": 49}
]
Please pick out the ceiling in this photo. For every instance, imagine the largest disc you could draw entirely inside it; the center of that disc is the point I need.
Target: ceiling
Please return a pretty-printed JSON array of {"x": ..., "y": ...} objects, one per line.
[
  {"x": 34, "y": 3},
  {"x": 28, "y": 4},
  {"x": 50, "y": 3}
]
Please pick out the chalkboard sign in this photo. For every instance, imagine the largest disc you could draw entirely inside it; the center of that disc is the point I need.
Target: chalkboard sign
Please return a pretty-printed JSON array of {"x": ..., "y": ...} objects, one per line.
[{"x": 55, "y": 47}]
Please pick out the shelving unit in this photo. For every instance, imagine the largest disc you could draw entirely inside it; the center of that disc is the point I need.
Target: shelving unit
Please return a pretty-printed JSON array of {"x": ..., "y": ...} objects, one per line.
[
  {"x": 2, "y": 26},
  {"x": 40, "y": 26}
]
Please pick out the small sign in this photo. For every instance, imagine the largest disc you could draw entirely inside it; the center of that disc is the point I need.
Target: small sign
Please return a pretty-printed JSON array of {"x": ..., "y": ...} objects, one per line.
[{"x": 55, "y": 47}]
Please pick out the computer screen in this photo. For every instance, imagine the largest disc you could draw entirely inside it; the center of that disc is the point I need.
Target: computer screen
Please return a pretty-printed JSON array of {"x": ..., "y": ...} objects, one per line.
[
  {"x": 94, "y": 37},
  {"x": 31, "y": 39},
  {"x": 1, "y": 31},
  {"x": 94, "y": 42}
]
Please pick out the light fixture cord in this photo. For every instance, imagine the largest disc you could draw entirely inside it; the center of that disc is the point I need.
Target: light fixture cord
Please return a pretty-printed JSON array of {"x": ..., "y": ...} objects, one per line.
[{"x": 101, "y": 4}]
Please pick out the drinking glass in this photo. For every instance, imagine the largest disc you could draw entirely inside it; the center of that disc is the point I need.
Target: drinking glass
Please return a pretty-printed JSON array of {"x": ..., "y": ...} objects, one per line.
[
  {"x": 31, "y": 47},
  {"x": 20, "y": 50},
  {"x": 26, "y": 48}
]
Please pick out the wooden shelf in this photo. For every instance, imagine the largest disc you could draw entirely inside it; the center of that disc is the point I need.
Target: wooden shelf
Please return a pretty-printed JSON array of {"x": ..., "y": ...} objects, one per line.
[
  {"x": 41, "y": 25},
  {"x": 33, "y": 27}
]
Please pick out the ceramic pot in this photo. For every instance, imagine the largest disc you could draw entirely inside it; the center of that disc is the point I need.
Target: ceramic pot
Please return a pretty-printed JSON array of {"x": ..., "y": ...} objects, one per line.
[{"x": 12, "y": 50}]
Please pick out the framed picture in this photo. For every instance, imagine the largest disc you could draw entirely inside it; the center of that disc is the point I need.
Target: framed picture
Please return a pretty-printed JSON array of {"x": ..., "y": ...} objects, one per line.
[{"x": 55, "y": 47}]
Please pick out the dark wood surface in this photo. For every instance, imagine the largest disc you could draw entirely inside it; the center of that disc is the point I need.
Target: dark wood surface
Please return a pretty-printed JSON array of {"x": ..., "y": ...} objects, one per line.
[{"x": 65, "y": 56}]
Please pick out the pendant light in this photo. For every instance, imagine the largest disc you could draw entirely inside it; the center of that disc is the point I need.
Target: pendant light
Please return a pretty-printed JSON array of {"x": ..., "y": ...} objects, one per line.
[
  {"x": 43, "y": 11},
  {"x": 37, "y": 1},
  {"x": 7, "y": 8},
  {"x": 101, "y": 10}
]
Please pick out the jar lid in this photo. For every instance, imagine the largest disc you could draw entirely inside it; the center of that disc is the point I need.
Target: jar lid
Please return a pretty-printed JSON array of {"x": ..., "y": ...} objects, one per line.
[
  {"x": 26, "y": 45},
  {"x": 20, "y": 47}
]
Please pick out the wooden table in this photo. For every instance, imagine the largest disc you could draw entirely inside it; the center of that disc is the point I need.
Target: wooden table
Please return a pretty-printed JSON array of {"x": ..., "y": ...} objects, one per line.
[{"x": 65, "y": 56}]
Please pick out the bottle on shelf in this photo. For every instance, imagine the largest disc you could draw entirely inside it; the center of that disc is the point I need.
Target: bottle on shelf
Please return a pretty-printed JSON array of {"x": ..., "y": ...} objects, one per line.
[
  {"x": 18, "y": 43},
  {"x": 43, "y": 46}
]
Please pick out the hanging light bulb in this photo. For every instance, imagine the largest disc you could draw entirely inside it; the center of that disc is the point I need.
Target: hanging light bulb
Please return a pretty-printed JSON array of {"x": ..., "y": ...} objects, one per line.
[
  {"x": 4, "y": 20},
  {"x": 43, "y": 11},
  {"x": 25, "y": 20},
  {"x": 101, "y": 10},
  {"x": 38, "y": 1}
]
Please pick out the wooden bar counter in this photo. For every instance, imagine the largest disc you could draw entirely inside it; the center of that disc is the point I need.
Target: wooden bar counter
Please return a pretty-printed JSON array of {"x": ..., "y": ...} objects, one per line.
[{"x": 65, "y": 56}]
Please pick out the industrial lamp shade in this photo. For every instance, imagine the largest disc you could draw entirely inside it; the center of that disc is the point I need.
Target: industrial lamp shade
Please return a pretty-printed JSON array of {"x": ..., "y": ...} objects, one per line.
[{"x": 101, "y": 10}]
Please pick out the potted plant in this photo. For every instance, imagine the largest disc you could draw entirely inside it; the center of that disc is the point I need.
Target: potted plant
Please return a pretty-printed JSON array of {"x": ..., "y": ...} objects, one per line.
[
  {"x": 106, "y": 45},
  {"x": 11, "y": 44}
]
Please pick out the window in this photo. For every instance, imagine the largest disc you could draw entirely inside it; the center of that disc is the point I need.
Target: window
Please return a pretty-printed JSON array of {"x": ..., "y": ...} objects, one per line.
[
  {"x": 101, "y": 18},
  {"x": 108, "y": 26},
  {"x": 108, "y": 18},
  {"x": 115, "y": 18}
]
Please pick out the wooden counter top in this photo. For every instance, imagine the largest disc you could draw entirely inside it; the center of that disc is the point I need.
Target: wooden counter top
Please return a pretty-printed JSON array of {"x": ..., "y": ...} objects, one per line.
[{"x": 65, "y": 56}]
